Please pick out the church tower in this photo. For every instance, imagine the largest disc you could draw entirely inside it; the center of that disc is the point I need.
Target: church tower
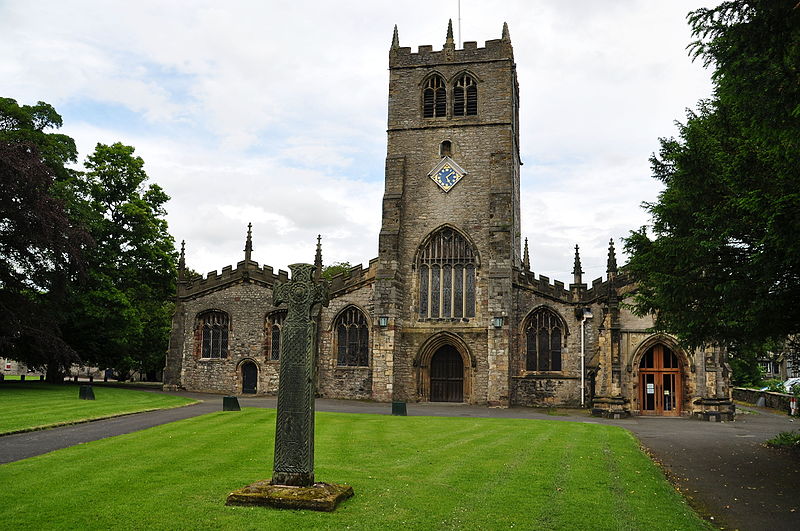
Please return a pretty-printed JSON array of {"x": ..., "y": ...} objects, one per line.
[{"x": 450, "y": 235}]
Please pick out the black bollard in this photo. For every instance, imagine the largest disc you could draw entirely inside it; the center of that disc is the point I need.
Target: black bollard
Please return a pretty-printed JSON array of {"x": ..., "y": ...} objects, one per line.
[
  {"x": 2, "y": 376},
  {"x": 21, "y": 377},
  {"x": 399, "y": 408},
  {"x": 41, "y": 377},
  {"x": 91, "y": 378},
  {"x": 230, "y": 403}
]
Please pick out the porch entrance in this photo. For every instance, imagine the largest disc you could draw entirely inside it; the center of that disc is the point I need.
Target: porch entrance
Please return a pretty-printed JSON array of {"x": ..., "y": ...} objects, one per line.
[
  {"x": 660, "y": 382},
  {"x": 447, "y": 375},
  {"x": 249, "y": 377}
]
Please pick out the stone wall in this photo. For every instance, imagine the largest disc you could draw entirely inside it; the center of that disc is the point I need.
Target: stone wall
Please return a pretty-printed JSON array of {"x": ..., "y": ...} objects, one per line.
[
  {"x": 779, "y": 401},
  {"x": 247, "y": 305},
  {"x": 535, "y": 388},
  {"x": 483, "y": 207},
  {"x": 347, "y": 382}
]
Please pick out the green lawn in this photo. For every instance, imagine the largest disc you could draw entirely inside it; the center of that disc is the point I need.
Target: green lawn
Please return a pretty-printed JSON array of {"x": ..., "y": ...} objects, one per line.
[
  {"x": 15, "y": 377},
  {"x": 407, "y": 472},
  {"x": 35, "y": 405}
]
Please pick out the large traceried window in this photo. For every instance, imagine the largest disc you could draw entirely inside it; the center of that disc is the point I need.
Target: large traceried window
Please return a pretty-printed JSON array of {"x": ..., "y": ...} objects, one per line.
[
  {"x": 434, "y": 98},
  {"x": 465, "y": 97},
  {"x": 212, "y": 331},
  {"x": 352, "y": 338},
  {"x": 272, "y": 333},
  {"x": 543, "y": 333},
  {"x": 446, "y": 276}
]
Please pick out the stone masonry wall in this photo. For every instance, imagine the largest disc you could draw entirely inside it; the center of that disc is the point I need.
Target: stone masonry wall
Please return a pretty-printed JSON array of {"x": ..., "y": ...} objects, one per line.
[
  {"x": 483, "y": 206},
  {"x": 247, "y": 305},
  {"x": 561, "y": 388},
  {"x": 347, "y": 382}
]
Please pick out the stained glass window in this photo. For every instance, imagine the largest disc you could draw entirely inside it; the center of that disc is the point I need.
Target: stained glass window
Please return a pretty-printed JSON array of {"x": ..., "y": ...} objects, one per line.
[{"x": 446, "y": 276}]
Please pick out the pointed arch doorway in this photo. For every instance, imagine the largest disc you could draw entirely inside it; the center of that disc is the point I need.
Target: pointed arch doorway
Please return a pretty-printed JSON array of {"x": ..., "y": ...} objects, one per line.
[
  {"x": 447, "y": 375},
  {"x": 249, "y": 378},
  {"x": 660, "y": 382}
]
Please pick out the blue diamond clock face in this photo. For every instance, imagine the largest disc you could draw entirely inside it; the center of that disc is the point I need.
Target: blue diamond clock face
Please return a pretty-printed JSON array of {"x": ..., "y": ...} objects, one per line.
[{"x": 446, "y": 174}]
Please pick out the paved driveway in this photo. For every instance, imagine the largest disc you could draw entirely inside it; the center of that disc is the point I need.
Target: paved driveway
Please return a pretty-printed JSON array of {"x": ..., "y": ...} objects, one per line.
[{"x": 722, "y": 467}]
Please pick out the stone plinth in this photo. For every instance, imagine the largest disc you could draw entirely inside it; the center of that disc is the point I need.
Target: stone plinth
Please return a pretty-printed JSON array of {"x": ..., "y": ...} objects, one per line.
[{"x": 317, "y": 497}]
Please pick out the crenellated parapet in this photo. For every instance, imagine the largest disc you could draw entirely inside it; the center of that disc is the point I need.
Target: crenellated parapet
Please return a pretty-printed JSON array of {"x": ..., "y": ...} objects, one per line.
[
  {"x": 353, "y": 278},
  {"x": 493, "y": 50},
  {"x": 245, "y": 271}
]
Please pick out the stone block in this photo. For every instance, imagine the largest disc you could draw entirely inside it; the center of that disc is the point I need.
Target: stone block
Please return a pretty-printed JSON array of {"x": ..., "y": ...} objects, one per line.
[{"x": 318, "y": 497}]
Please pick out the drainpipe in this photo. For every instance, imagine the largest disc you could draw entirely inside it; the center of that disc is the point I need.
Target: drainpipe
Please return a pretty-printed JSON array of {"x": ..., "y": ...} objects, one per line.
[{"x": 587, "y": 314}]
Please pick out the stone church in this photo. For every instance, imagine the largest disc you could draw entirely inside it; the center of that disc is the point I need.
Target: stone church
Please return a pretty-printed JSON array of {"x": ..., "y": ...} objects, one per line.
[{"x": 449, "y": 310}]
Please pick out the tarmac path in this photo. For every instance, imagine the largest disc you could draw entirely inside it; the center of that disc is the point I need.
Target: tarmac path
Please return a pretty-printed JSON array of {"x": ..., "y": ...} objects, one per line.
[{"x": 722, "y": 468}]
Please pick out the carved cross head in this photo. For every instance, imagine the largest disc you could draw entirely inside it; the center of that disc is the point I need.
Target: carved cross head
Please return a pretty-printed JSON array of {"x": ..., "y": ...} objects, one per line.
[{"x": 301, "y": 294}]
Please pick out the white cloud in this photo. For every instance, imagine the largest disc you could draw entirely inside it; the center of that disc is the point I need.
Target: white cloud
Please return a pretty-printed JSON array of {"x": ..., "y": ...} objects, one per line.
[{"x": 275, "y": 113}]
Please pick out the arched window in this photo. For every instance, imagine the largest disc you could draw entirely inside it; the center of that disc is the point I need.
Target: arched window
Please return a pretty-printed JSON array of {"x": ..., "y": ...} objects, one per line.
[
  {"x": 465, "y": 97},
  {"x": 543, "y": 333},
  {"x": 446, "y": 149},
  {"x": 434, "y": 98},
  {"x": 352, "y": 338},
  {"x": 212, "y": 332},
  {"x": 446, "y": 276},
  {"x": 272, "y": 335}
]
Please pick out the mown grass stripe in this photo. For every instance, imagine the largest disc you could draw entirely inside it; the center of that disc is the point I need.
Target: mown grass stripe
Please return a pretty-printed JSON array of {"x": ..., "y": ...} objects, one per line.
[{"x": 494, "y": 473}]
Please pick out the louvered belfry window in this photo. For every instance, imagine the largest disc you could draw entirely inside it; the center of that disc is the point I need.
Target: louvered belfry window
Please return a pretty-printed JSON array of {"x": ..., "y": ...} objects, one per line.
[
  {"x": 214, "y": 334},
  {"x": 434, "y": 98},
  {"x": 352, "y": 338},
  {"x": 447, "y": 276},
  {"x": 465, "y": 97},
  {"x": 272, "y": 332},
  {"x": 543, "y": 333}
]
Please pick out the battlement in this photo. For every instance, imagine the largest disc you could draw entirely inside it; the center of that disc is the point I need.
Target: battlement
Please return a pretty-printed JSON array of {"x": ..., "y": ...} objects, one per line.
[
  {"x": 493, "y": 50},
  {"x": 248, "y": 270},
  {"x": 353, "y": 277},
  {"x": 527, "y": 279}
]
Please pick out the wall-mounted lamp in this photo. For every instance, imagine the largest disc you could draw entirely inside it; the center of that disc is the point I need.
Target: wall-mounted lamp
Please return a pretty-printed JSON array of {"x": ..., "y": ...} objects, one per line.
[
  {"x": 383, "y": 321},
  {"x": 497, "y": 322}
]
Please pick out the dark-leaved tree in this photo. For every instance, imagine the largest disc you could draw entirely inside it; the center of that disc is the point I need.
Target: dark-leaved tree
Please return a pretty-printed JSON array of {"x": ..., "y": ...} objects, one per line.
[
  {"x": 41, "y": 252},
  {"x": 723, "y": 262}
]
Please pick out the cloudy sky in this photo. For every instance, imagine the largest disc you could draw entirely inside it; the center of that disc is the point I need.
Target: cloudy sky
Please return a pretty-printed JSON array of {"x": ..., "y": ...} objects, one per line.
[{"x": 274, "y": 112}]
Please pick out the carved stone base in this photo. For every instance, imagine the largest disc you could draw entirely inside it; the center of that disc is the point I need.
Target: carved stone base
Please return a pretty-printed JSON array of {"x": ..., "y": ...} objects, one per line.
[{"x": 318, "y": 497}]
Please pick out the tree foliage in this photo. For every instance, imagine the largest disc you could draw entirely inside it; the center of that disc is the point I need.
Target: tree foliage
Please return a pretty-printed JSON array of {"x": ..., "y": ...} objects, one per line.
[
  {"x": 41, "y": 248},
  {"x": 121, "y": 315},
  {"x": 723, "y": 264},
  {"x": 330, "y": 271},
  {"x": 87, "y": 265}
]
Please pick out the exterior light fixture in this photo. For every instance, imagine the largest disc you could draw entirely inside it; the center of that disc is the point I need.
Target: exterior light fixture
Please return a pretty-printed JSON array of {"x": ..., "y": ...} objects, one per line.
[
  {"x": 497, "y": 322},
  {"x": 383, "y": 321}
]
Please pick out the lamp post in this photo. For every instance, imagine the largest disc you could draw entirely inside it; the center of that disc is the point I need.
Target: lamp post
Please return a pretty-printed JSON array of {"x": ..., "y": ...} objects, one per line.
[{"x": 587, "y": 314}]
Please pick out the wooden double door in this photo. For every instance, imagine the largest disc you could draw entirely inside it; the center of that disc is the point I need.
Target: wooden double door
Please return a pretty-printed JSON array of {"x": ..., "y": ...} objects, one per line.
[
  {"x": 447, "y": 375},
  {"x": 660, "y": 383}
]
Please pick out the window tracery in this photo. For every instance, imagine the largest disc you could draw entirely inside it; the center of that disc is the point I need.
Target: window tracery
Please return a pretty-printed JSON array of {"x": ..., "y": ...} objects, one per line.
[
  {"x": 272, "y": 333},
  {"x": 212, "y": 330},
  {"x": 447, "y": 276},
  {"x": 465, "y": 96},
  {"x": 352, "y": 338},
  {"x": 543, "y": 334},
  {"x": 434, "y": 98}
]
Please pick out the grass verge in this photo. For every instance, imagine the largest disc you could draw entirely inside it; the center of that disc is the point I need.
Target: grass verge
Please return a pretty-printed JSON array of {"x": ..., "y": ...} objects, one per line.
[
  {"x": 407, "y": 472},
  {"x": 35, "y": 406}
]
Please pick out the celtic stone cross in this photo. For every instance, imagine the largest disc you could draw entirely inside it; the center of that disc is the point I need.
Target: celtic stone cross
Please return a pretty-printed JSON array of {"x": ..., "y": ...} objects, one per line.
[{"x": 294, "y": 427}]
